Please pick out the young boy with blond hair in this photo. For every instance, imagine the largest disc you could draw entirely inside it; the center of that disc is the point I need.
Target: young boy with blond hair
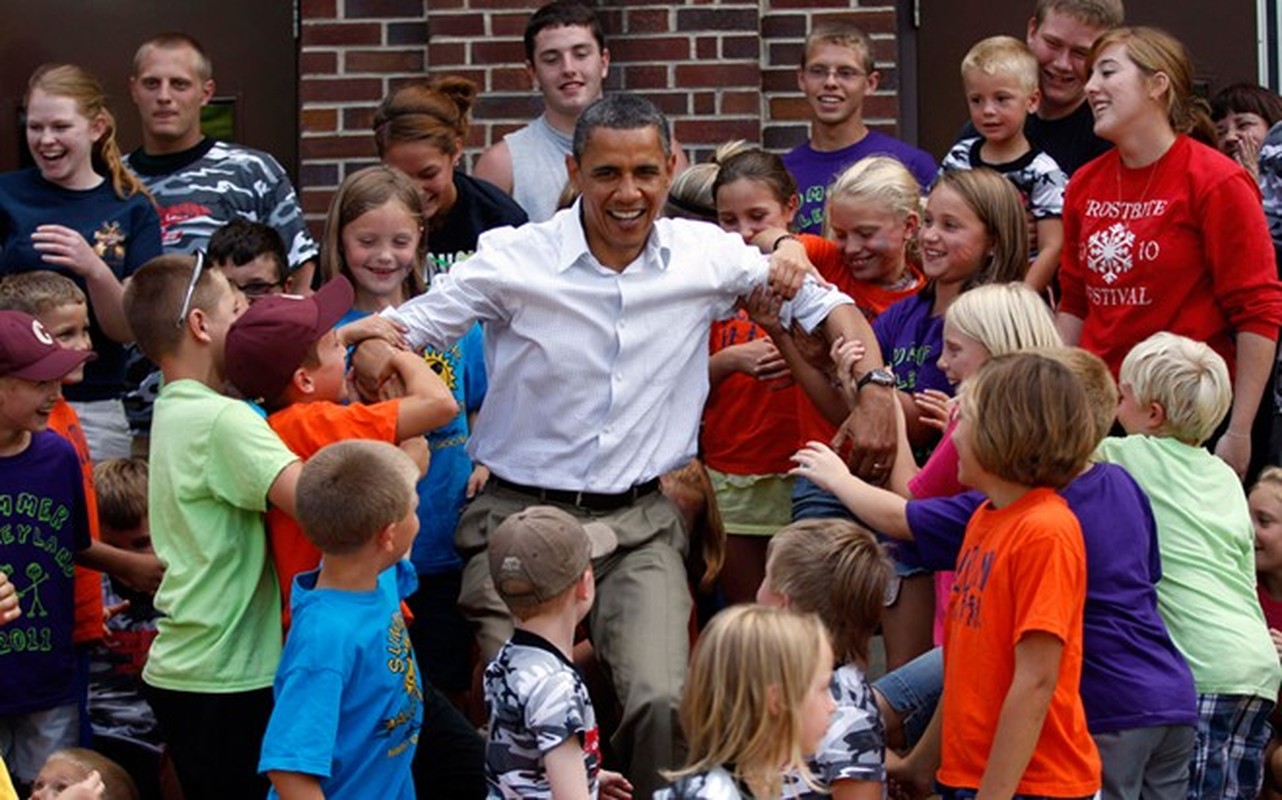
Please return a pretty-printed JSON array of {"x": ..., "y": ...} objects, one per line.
[
  {"x": 285, "y": 352},
  {"x": 1175, "y": 392},
  {"x": 349, "y": 699},
  {"x": 544, "y": 740},
  {"x": 1000, "y": 78},
  {"x": 215, "y": 466},
  {"x": 836, "y": 74}
]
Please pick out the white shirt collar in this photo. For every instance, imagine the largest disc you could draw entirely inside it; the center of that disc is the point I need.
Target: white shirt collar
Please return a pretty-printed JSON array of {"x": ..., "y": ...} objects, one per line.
[{"x": 656, "y": 254}]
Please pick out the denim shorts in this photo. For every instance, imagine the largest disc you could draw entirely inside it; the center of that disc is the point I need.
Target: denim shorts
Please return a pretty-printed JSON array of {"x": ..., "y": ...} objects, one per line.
[
  {"x": 811, "y": 502},
  {"x": 913, "y": 691}
]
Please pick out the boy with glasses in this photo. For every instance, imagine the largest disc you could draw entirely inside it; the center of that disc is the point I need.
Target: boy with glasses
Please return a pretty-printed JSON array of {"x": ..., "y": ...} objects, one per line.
[
  {"x": 836, "y": 74},
  {"x": 215, "y": 466},
  {"x": 252, "y": 257}
]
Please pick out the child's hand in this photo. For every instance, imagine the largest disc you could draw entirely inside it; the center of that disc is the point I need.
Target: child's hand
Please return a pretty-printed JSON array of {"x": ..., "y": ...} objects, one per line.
[
  {"x": 812, "y": 346},
  {"x": 371, "y": 367},
  {"x": 9, "y": 610},
  {"x": 845, "y": 355},
  {"x": 613, "y": 786},
  {"x": 477, "y": 480},
  {"x": 416, "y": 448},
  {"x": 375, "y": 326},
  {"x": 819, "y": 464},
  {"x": 934, "y": 408},
  {"x": 762, "y": 308},
  {"x": 759, "y": 359},
  {"x": 64, "y": 247},
  {"x": 91, "y": 788}
]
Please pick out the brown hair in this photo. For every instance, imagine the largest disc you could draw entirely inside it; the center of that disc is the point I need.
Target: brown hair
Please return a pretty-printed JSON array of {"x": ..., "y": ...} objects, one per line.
[
  {"x": 1096, "y": 13},
  {"x": 1097, "y": 381},
  {"x": 154, "y": 298},
  {"x": 836, "y": 569},
  {"x": 351, "y": 490},
  {"x": 78, "y": 84},
  {"x": 39, "y": 292},
  {"x": 1001, "y": 210},
  {"x": 364, "y": 191},
  {"x": 436, "y": 113},
  {"x": 121, "y": 486},
  {"x": 1246, "y": 98},
  {"x": 1028, "y": 419},
  {"x": 1155, "y": 51},
  {"x": 844, "y": 34},
  {"x": 737, "y": 162}
]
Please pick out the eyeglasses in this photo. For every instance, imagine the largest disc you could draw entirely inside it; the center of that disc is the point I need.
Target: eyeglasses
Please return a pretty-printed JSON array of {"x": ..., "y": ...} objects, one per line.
[
  {"x": 258, "y": 289},
  {"x": 818, "y": 72},
  {"x": 191, "y": 288}
]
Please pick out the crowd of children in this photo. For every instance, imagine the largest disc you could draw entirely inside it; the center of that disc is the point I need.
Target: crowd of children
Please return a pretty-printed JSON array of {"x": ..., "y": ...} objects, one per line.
[{"x": 1075, "y": 596}]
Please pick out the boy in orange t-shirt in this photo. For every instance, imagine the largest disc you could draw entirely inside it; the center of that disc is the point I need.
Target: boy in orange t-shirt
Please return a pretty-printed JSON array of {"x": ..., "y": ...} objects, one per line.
[
  {"x": 1013, "y": 720},
  {"x": 285, "y": 353}
]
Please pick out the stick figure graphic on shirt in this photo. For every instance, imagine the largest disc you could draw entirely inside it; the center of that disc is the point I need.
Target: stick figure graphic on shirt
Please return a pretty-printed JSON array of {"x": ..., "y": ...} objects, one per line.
[{"x": 38, "y": 576}]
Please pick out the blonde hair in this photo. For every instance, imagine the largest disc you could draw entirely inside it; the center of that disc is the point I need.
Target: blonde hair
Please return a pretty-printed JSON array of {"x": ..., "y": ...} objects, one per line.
[
  {"x": 836, "y": 569},
  {"x": 38, "y": 292},
  {"x": 351, "y": 490},
  {"x": 1004, "y": 318},
  {"x": 1188, "y": 379},
  {"x": 1095, "y": 13},
  {"x": 843, "y": 34},
  {"x": 80, "y": 86},
  {"x": 1000, "y": 209},
  {"x": 1153, "y": 50},
  {"x": 1028, "y": 420},
  {"x": 116, "y": 783},
  {"x": 690, "y": 195},
  {"x": 176, "y": 41},
  {"x": 121, "y": 486},
  {"x": 888, "y": 183},
  {"x": 1097, "y": 381},
  {"x": 746, "y": 656},
  {"x": 361, "y": 192},
  {"x": 1002, "y": 55},
  {"x": 1270, "y": 478}
]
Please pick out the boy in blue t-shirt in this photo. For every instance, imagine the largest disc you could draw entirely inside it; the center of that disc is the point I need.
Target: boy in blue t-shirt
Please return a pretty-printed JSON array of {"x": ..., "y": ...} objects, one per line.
[
  {"x": 349, "y": 700},
  {"x": 44, "y": 530}
]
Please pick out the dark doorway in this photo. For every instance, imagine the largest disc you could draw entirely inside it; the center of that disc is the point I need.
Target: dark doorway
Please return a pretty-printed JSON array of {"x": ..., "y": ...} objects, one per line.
[
  {"x": 252, "y": 44},
  {"x": 1220, "y": 36}
]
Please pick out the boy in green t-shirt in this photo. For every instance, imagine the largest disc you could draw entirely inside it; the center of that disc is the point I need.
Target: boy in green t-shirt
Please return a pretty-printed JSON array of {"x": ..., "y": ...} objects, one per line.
[
  {"x": 1175, "y": 391},
  {"x": 215, "y": 466}
]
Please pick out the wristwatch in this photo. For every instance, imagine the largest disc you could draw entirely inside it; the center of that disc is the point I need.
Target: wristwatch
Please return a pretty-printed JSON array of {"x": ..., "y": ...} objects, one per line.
[{"x": 879, "y": 377}]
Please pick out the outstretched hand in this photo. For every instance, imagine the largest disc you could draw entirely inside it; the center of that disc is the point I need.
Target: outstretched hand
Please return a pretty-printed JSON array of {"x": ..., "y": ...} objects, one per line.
[
  {"x": 934, "y": 408},
  {"x": 819, "y": 464}
]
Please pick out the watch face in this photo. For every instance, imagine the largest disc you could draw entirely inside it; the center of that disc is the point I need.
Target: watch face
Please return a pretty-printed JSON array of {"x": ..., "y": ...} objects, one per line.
[{"x": 882, "y": 377}]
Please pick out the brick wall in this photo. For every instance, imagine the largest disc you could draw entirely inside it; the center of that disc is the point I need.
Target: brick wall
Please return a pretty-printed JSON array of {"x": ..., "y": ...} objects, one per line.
[{"x": 721, "y": 69}]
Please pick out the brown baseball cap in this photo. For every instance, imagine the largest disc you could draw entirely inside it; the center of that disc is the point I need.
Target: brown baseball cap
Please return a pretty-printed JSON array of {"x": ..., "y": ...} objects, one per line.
[
  {"x": 267, "y": 343},
  {"x": 538, "y": 553},
  {"x": 30, "y": 352}
]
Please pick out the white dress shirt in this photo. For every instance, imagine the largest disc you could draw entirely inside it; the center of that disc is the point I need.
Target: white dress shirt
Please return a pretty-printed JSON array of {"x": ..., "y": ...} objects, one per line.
[{"x": 597, "y": 378}]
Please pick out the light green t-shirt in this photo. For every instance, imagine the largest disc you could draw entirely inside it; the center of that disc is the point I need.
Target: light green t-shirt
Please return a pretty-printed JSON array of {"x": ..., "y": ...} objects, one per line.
[
  {"x": 1207, "y": 593},
  {"x": 213, "y": 460}
]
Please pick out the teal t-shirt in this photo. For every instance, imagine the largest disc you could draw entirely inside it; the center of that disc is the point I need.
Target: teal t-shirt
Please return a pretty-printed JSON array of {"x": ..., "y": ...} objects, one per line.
[
  {"x": 1207, "y": 592},
  {"x": 212, "y": 462}
]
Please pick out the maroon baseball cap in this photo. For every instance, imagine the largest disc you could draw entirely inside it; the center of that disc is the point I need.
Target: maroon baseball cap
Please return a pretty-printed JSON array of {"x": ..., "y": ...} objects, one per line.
[
  {"x": 30, "y": 352},
  {"x": 267, "y": 343}
]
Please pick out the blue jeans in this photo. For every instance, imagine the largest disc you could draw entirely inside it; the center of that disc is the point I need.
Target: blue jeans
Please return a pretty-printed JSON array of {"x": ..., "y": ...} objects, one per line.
[
  {"x": 811, "y": 502},
  {"x": 913, "y": 691}
]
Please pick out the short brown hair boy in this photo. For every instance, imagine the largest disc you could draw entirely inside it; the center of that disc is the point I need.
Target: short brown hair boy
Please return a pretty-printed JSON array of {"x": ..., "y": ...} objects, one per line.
[
  {"x": 121, "y": 485},
  {"x": 1029, "y": 419},
  {"x": 351, "y": 490},
  {"x": 1097, "y": 381},
  {"x": 39, "y": 291},
  {"x": 157, "y": 294}
]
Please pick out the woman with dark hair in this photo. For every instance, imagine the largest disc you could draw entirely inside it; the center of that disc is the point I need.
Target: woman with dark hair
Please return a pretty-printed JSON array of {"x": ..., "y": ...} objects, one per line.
[{"x": 1243, "y": 114}]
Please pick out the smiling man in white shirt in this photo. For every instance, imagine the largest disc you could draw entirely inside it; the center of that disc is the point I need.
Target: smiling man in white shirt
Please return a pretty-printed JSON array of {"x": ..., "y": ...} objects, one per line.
[{"x": 597, "y": 325}]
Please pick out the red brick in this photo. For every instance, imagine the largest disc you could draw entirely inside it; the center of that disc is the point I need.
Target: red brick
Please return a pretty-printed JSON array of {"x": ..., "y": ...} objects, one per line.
[
  {"x": 644, "y": 77},
  {"x": 314, "y": 175},
  {"x": 717, "y": 19},
  {"x": 317, "y": 227},
  {"x": 779, "y": 25},
  {"x": 523, "y": 107},
  {"x": 358, "y": 119},
  {"x": 490, "y": 51},
  {"x": 341, "y": 90},
  {"x": 345, "y": 147},
  {"x": 705, "y": 48},
  {"x": 383, "y": 9},
  {"x": 611, "y": 21},
  {"x": 508, "y": 24},
  {"x": 741, "y": 47},
  {"x": 456, "y": 25},
  {"x": 439, "y": 54},
  {"x": 705, "y": 103},
  {"x": 509, "y": 79},
  {"x": 789, "y": 108},
  {"x": 648, "y": 20},
  {"x": 786, "y": 54},
  {"x": 649, "y": 50},
  {"x": 318, "y": 9},
  {"x": 885, "y": 50},
  {"x": 716, "y": 75},
  {"x": 715, "y": 131},
  {"x": 411, "y": 33},
  {"x": 870, "y": 21},
  {"x": 337, "y": 33},
  {"x": 783, "y": 137},
  {"x": 889, "y": 79},
  {"x": 879, "y": 105},
  {"x": 319, "y": 120},
  {"x": 382, "y": 61},
  {"x": 318, "y": 62},
  {"x": 779, "y": 80},
  {"x": 740, "y": 103},
  {"x": 316, "y": 201},
  {"x": 670, "y": 103}
]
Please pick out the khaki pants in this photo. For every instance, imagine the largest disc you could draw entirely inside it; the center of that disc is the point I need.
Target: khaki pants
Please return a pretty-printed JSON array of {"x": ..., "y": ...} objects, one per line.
[{"x": 639, "y": 624}]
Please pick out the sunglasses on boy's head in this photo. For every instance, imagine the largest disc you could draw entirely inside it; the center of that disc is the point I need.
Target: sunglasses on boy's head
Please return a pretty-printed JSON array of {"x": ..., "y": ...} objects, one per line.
[{"x": 191, "y": 288}]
